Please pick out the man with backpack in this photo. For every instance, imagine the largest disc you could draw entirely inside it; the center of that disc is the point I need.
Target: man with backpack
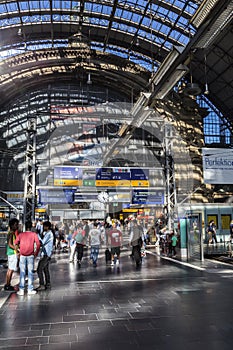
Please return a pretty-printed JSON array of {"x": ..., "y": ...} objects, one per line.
[{"x": 136, "y": 241}]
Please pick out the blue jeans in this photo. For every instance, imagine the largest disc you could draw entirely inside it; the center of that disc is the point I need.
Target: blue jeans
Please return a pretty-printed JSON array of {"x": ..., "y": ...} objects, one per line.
[
  {"x": 94, "y": 254},
  {"x": 26, "y": 263}
]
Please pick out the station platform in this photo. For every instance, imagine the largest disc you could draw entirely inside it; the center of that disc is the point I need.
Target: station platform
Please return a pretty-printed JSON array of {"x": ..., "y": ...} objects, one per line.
[
  {"x": 166, "y": 304},
  {"x": 221, "y": 248}
]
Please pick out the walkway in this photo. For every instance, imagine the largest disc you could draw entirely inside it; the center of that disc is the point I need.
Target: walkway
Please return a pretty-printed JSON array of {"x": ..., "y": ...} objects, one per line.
[{"x": 163, "y": 305}]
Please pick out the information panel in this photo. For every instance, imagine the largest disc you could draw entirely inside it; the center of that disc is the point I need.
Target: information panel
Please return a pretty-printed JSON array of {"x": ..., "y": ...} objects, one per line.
[
  {"x": 148, "y": 197},
  {"x": 125, "y": 177},
  {"x": 139, "y": 174},
  {"x": 73, "y": 176},
  {"x": 67, "y": 176},
  {"x": 85, "y": 197},
  {"x": 50, "y": 196}
]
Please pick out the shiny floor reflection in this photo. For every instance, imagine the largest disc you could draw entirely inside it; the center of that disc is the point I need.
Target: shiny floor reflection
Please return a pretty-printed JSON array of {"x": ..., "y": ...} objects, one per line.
[{"x": 162, "y": 305}]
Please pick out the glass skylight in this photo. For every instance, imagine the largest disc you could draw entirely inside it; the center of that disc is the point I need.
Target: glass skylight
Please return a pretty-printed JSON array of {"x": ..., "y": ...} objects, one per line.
[{"x": 164, "y": 24}]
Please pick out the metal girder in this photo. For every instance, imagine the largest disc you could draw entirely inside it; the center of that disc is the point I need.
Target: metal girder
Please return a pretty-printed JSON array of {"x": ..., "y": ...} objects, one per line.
[
  {"x": 30, "y": 172},
  {"x": 169, "y": 172},
  {"x": 110, "y": 23}
]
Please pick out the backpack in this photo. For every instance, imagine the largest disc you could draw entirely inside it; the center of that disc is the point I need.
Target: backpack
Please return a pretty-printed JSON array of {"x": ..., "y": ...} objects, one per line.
[
  {"x": 79, "y": 237},
  {"x": 209, "y": 229}
]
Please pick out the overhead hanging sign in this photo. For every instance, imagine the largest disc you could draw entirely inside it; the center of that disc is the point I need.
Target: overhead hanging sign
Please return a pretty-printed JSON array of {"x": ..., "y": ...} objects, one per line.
[
  {"x": 148, "y": 197},
  {"x": 74, "y": 176},
  {"x": 125, "y": 177},
  {"x": 217, "y": 165},
  {"x": 53, "y": 196},
  {"x": 67, "y": 176}
]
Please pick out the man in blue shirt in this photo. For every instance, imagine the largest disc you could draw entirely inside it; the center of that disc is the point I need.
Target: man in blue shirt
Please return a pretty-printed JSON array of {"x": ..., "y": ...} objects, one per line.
[{"x": 46, "y": 253}]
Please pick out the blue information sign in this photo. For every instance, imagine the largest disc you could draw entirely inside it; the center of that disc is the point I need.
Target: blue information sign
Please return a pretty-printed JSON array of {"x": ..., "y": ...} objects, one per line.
[
  {"x": 113, "y": 174},
  {"x": 49, "y": 196},
  {"x": 122, "y": 174},
  {"x": 139, "y": 174},
  {"x": 148, "y": 197},
  {"x": 104, "y": 174},
  {"x": 67, "y": 172},
  {"x": 85, "y": 197}
]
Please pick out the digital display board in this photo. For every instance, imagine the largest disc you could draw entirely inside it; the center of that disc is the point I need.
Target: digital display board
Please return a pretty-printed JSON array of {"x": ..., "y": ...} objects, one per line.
[
  {"x": 139, "y": 174},
  {"x": 74, "y": 176},
  {"x": 148, "y": 197},
  {"x": 50, "y": 196},
  {"x": 85, "y": 197},
  {"x": 67, "y": 176},
  {"x": 125, "y": 177}
]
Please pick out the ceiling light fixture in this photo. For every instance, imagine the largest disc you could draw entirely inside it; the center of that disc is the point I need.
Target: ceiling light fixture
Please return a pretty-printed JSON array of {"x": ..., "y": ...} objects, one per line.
[
  {"x": 89, "y": 82},
  {"x": 206, "y": 92},
  {"x": 191, "y": 89}
]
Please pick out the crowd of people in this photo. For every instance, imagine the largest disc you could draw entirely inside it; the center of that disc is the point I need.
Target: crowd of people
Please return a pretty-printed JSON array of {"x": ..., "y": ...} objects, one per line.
[
  {"x": 22, "y": 249},
  {"x": 42, "y": 238}
]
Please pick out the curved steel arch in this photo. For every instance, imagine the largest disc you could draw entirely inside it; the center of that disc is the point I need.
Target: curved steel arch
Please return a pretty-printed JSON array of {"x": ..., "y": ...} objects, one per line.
[
  {"x": 61, "y": 21},
  {"x": 52, "y": 23},
  {"x": 32, "y": 68}
]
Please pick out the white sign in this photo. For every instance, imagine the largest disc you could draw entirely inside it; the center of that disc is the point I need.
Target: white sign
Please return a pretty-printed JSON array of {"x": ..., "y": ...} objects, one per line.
[{"x": 217, "y": 165}]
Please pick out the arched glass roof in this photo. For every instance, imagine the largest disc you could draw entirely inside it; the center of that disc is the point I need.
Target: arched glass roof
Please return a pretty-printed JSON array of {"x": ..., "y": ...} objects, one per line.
[
  {"x": 120, "y": 45},
  {"x": 143, "y": 31}
]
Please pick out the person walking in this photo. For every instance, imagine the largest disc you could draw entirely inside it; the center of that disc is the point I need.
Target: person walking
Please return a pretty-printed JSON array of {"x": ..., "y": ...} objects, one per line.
[
  {"x": 79, "y": 238},
  {"x": 135, "y": 240},
  {"x": 231, "y": 229},
  {"x": 45, "y": 258},
  {"x": 28, "y": 245},
  {"x": 12, "y": 256},
  {"x": 174, "y": 240},
  {"x": 73, "y": 245},
  {"x": 95, "y": 238},
  {"x": 86, "y": 228},
  {"x": 230, "y": 239},
  {"x": 115, "y": 243},
  {"x": 211, "y": 230}
]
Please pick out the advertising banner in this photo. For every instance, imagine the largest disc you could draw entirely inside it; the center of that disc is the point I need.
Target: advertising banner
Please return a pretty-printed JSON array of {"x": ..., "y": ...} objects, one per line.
[{"x": 217, "y": 165}]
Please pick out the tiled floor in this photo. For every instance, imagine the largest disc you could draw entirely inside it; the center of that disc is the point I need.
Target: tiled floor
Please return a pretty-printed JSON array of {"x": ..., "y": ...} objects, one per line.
[{"x": 163, "y": 305}]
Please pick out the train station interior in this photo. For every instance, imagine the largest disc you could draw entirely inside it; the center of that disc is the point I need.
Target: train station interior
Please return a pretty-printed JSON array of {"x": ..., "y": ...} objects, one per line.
[{"x": 116, "y": 111}]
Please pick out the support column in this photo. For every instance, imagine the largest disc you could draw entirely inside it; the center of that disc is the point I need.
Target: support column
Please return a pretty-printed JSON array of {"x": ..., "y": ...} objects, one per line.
[
  {"x": 30, "y": 172},
  {"x": 183, "y": 239},
  {"x": 169, "y": 170}
]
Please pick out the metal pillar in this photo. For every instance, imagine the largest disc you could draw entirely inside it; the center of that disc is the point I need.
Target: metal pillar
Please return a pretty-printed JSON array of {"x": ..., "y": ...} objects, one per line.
[
  {"x": 30, "y": 172},
  {"x": 170, "y": 198}
]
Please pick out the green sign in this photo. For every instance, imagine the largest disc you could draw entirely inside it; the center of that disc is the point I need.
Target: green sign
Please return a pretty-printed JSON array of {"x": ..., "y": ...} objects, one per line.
[{"x": 89, "y": 183}]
